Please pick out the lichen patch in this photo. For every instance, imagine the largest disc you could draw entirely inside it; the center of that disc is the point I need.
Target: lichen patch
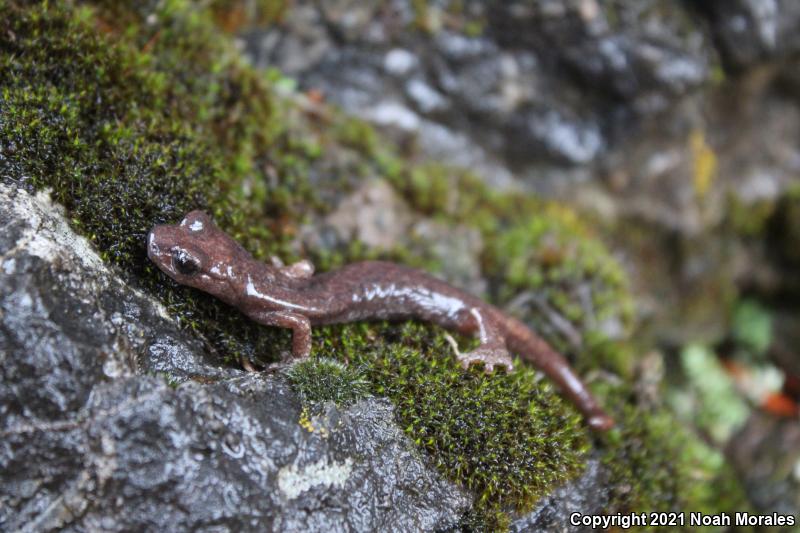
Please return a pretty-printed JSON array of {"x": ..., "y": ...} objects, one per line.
[{"x": 294, "y": 480}]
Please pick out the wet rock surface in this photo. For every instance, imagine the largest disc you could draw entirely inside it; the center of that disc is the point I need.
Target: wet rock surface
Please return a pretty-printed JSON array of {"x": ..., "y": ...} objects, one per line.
[
  {"x": 95, "y": 438},
  {"x": 766, "y": 451},
  {"x": 750, "y": 32},
  {"x": 508, "y": 85},
  {"x": 587, "y": 494}
]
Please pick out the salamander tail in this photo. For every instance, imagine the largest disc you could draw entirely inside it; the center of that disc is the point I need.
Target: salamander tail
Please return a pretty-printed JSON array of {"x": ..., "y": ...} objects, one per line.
[{"x": 530, "y": 347}]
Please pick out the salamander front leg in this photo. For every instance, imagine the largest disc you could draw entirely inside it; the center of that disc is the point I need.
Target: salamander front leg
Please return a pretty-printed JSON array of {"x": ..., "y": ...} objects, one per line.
[
  {"x": 492, "y": 351},
  {"x": 299, "y": 324}
]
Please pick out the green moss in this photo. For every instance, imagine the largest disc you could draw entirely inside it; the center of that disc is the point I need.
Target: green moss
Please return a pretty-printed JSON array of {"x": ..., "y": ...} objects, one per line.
[
  {"x": 142, "y": 126},
  {"x": 657, "y": 464},
  {"x": 748, "y": 220},
  {"x": 568, "y": 274},
  {"x": 88, "y": 126},
  {"x": 323, "y": 380},
  {"x": 507, "y": 437}
]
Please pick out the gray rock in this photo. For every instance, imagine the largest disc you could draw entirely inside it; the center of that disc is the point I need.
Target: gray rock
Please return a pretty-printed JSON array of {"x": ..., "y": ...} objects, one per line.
[
  {"x": 766, "y": 455},
  {"x": 89, "y": 442},
  {"x": 543, "y": 80},
  {"x": 456, "y": 248},
  {"x": 753, "y": 31},
  {"x": 630, "y": 49},
  {"x": 373, "y": 214},
  {"x": 587, "y": 494},
  {"x": 785, "y": 348}
]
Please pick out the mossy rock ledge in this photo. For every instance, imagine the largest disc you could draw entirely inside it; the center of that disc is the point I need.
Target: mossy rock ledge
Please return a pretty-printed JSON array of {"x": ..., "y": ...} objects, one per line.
[{"x": 124, "y": 401}]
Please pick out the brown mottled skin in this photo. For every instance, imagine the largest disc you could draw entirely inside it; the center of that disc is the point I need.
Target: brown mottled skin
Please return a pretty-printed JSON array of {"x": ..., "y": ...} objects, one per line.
[{"x": 197, "y": 253}]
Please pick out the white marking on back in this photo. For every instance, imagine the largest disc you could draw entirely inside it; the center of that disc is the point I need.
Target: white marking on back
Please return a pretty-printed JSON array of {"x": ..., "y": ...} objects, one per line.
[{"x": 253, "y": 291}]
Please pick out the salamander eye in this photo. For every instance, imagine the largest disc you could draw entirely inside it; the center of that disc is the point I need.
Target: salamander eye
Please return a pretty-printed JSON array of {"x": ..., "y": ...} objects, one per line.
[{"x": 184, "y": 263}]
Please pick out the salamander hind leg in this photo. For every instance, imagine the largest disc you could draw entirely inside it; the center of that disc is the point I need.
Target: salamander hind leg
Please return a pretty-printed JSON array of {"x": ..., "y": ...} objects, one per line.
[
  {"x": 492, "y": 355},
  {"x": 492, "y": 351}
]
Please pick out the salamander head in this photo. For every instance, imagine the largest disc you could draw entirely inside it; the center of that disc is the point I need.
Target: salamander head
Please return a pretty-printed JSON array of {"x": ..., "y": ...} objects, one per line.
[{"x": 198, "y": 254}]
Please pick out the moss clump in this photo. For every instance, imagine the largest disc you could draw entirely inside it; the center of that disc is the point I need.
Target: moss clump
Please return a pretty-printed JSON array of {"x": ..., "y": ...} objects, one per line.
[
  {"x": 92, "y": 127},
  {"x": 507, "y": 437},
  {"x": 549, "y": 260},
  {"x": 143, "y": 124},
  {"x": 657, "y": 465},
  {"x": 751, "y": 328},
  {"x": 327, "y": 380}
]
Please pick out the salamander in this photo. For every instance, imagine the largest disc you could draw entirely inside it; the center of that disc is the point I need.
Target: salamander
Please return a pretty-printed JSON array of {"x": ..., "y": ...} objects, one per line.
[{"x": 199, "y": 254}]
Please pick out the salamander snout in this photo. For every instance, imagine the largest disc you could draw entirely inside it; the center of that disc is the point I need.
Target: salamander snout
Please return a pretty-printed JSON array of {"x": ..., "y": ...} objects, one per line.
[
  {"x": 195, "y": 253},
  {"x": 152, "y": 247},
  {"x": 175, "y": 254},
  {"x": 157, "y": 246}
]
